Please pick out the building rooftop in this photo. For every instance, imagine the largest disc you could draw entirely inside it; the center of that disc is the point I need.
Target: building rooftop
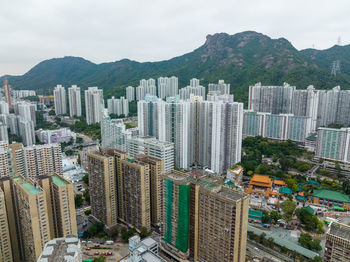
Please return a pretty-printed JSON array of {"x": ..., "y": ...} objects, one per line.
[
  {"x": 206, "y": 183},
  {"x": 285, "y": 190},
  {"x": 279, "y": 182},
  {"x": 283, "y": 242},
  {"x": 339, "y": 230},
  {"x": 30, "y": 188},
  {"x": 58, "y": 181},
  {"x": 331, "y": 195},
  {"x": 261, "y": 180},
  {"x": 61, "y": 250}
]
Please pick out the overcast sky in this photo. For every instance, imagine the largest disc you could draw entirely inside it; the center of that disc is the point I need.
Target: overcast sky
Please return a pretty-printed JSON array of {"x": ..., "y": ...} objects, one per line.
[{"x": 152, "y": 30}]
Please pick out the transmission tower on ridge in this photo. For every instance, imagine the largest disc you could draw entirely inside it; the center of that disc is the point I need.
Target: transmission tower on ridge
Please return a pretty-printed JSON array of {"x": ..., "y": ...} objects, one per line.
[{"x": 335, "y": 68}]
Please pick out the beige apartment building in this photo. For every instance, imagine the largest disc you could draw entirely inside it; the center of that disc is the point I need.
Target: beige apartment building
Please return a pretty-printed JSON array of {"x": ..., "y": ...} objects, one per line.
[
  {"x": 337, "y": 247},
  {"x": 135, "y": 202},
  {"x": 5, "y": 241},
  {"x": 17, "y": 157},
  {"x": 156, "y": 169},
  {"x": 43, "y": 160},
  {"x": 203, "y": 220},
  {"x": 62, "y": 216},
  {"x": 6, "y": 185},
  {"x": 33, "y": 217},
  {"x": 102, "y": 186}
]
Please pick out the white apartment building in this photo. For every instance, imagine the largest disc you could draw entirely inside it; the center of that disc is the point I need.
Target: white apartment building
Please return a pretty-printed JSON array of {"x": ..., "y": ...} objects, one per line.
[
  {"x": 26, "y": 130},
  {"x": 151, "y": 146},
  {"x": 94, "y": 103},
  {"x": 59, "y": 93},
  {"x": 130, "y": 93},
  {"x": 74, "y": 97},
  {"x": 118, "y": 106}
]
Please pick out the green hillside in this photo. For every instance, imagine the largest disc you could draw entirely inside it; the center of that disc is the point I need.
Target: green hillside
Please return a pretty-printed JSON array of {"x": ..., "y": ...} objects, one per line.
[{"x": 241, "y": 60}]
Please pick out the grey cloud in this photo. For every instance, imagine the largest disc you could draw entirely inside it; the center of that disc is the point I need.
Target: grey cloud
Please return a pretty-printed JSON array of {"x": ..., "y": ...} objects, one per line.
[{"x": 152, "y": 30}]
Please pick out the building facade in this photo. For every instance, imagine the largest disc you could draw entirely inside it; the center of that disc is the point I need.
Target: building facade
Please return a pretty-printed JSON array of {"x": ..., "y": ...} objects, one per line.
[
  {"x": 197, "y": 211},
  {"x": 94, "y": 103},
  {"x": 337, "y": 247},
  {"x": 43, "y": 160},
  {"x": 130, "y": 93},
  {"x": 59, "y": 93},
  {"x": 152, "y": 147},
  {"x": 74, "y": 96}
]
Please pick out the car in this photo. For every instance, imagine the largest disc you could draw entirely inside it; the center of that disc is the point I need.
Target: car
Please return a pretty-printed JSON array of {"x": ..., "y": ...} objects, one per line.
[
  {"x": 97, "y": 245},
  {"x": 87, "y": 248},
  {"x": 109, "y": 253},
  {"x": 96, "y": 253}
]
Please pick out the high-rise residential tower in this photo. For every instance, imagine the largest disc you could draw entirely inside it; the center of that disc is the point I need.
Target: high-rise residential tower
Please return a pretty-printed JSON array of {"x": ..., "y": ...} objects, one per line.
[
  {"x": 150, "y": 146},
  {"x": 103, "y": 186},
  {"x": 31, "y": 206},
  {"x": 43, "y": 160},
  {"x": 203, "y": 220},
  {"x": 60, "y": 100},
  {"x": 5, "y": 240},
  {"x": 74, "y": 96},
  {"x": 134, "y": 193},
  {"x": 156, "y": 169},
  {"x": 26, "y": 130},
  {"x": 4, "y": 108},
  {"x": 94, "y": 103},
  {"x": 61, "y": 208},
  {"x": 130, "y": 93},
  {"x": 207, "y": 133},
  {"x": 7, "y": 91},
  {"x": 337, "y": 247}
]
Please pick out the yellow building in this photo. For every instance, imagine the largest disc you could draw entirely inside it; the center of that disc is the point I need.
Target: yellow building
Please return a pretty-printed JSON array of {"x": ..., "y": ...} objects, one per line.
[
  {"x": 5, "y": 241},
  {"x": 61, "y": 207},
  {"x": 202, "y": 220},
  {"x": 33, "y": 217},
  {"x": 156, "y": 169},
  {"x": 103, "y": 186},
  {"x": 134, "y": 187}
]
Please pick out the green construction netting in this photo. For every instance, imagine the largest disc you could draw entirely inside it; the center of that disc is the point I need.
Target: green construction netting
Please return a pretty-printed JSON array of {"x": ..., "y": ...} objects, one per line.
[
  {"x": 168, "y": 194},
  {"x": 183, "y": 218}
]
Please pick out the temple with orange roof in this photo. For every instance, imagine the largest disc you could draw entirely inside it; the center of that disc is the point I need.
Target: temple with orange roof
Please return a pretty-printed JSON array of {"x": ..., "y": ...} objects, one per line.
[{"x": 260, "y": 184}]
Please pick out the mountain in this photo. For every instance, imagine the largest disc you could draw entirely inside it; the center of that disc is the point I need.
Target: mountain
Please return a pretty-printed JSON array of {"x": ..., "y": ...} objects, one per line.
[{"x": 241, "y": 59}]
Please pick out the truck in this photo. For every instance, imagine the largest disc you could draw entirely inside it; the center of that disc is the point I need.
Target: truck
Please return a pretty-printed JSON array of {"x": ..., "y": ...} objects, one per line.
[{"x": 109, "y": 242}]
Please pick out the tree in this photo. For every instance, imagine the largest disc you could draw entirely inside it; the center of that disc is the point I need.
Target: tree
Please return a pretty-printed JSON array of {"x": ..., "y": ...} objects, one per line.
[
  {"x": 114, "y": 233},
  {"x": 52, "y": 112},
  {"x": 304, "y": 167},
  {"x": 78, "y": 200},
  {"x": 87, "y": 196},
  {"x": 86, "y": 179},
  {"x": 288, "y": 208},
  {"x": 144, "y": 232},
  {"x": 126, "y": 234},
  {"x": 317, "y": 259},
  {"x": 275, "y": 216},
  {"x": 308, "y": 242},
  {"x": 97, "y": 229}
]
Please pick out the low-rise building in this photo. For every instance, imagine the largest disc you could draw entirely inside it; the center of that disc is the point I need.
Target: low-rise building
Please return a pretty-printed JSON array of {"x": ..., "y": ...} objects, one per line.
[
  {"x": 65, "y": 249},
  {"x": 331, "y": 199},
  {"x": 142, "y": 251},
  {"x": 56, "y": 136},
  {"x": 235, "y": 174}
]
